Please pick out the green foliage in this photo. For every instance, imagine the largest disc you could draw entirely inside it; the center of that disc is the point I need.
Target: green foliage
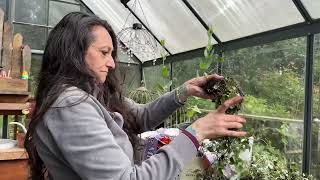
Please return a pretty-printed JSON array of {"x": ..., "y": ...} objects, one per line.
[
  {"x": 259, "y": 106},
  {"x": 210, "y": 57},
  {"x": 271, "y": 76},
  {"x": 284, "y": 89},
  {"x": 165, "y": 72},
  {"x": 249, "y": 159}
]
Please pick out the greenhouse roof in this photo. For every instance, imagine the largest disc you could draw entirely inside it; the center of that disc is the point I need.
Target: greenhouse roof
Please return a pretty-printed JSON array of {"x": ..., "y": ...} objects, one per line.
[{"x": 183, "y": 24}]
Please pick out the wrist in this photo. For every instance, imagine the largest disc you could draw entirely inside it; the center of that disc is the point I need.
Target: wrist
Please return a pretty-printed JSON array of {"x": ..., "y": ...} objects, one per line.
[
  {"x": 182, "y": 93},
  {"x": 193, "y": 131}
]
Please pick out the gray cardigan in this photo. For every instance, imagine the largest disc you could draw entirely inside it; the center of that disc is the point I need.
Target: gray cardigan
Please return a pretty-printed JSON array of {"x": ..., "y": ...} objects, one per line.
[{"x": 85, "y": 141}]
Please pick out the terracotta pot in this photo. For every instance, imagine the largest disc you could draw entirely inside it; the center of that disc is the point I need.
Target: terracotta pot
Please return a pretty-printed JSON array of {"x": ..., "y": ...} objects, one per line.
[{"x": 20, "y": 138}]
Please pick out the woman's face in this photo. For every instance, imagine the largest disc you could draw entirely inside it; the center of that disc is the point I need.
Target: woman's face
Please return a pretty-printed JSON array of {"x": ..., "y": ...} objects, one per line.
[{"x": 98, "y": 56}]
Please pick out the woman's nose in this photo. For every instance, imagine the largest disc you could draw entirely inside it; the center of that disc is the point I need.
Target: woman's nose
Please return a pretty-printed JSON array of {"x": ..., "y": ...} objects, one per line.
[{"x": 111, "y": 64}]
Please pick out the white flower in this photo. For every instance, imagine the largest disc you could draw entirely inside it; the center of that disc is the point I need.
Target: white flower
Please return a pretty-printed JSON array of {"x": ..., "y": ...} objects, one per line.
[
  {"x": 229, "y": 171},
  {"x": 211, "y": 157},
  {"x": 206, "y": 142},
  {"x": 245, "y": 155},
  {"x": 251, "y": 138}
]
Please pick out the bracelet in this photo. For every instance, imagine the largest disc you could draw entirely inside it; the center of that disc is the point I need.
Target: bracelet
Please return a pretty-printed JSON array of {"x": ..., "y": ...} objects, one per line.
[{"x": 181, "y": 94}]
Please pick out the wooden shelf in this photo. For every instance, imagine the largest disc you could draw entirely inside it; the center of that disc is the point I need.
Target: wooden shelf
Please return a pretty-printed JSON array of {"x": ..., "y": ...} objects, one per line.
[
  {"x": 15, "y": 92},
  {"x": 13, "y": 153},
  {"x": 13, "y": 85},
  {"x": 13, "y": 106}
]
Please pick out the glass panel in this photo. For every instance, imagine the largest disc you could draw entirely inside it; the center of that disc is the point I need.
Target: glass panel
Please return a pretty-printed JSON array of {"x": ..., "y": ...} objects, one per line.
[
  {"x": 3, "y": 6},
  {"x": 173, "y": 22},
  {"x": 117, "y": 15},
  {"x": 33, "y": 36},
  {"x": 130, "y": 76},
  {"x": 233, "y": 19},
  {"x": 186, "y": 69},
  {"x": 153, "y": 77},
  {"x": 58, "y": 10},
  {"x": 123, "y": 57},
  {"x": 31, "y": 11},
  {"x": 36, "y": 62},
  {"x": 313, "y": 7},
  {"x": 315, "y": 160},
  {"x": 272, "y": 78}
]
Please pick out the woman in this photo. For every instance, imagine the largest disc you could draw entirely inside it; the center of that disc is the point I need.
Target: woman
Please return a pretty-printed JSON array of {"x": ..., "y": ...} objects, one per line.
[{"x": 83, "y": 128}]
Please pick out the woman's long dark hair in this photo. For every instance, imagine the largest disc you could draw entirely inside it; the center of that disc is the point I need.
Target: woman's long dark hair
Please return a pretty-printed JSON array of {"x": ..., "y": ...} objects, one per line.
[{"x": 63, "y": 66}]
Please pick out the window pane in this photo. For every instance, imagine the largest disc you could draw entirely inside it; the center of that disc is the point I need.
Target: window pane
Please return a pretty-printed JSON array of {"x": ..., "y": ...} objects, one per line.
[
  {"x": 153, "y": 77},
  {"x": 117, "y": 15},
  {"x": 3, "y": 7},
  {"x": 315, "y": 161},
  {"x": 173, "y": 22},
  {"x": 313, "y": 7},
  {"x": 36, "y": 62},
  {"x": 123, "y": 57},
  {"x": 186, "y": 69},
  {"x": 33, "y": 36},
  {"x": 58, "y": 10},
  {"x": 31, "y": 11},
  {"x": 232, "y": 19},
  {"x": 130, "y": 76},
  {"x": 272, "y": 78}
]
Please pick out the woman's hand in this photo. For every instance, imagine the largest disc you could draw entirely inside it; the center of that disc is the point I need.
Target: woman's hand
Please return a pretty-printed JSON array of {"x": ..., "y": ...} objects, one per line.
[
  {"x": 218, "y": 124},
  {"x": 193, "y": 87}
]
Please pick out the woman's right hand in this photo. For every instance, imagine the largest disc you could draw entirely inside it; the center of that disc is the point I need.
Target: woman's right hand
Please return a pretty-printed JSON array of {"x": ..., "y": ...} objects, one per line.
[{"x": 218, "y": 124}]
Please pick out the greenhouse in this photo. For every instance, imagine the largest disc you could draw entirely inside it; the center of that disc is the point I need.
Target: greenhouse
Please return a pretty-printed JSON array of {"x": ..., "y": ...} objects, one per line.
[{"x": 268, "y": 51}]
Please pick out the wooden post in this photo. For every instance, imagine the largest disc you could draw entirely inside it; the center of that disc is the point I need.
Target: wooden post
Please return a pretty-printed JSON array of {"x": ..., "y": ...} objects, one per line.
[
  {"x": 1, "y": 31},
  {"x": 26, "y": 59},
  {"x": 16, "y": 62},
  {"x": 7, "y": 46}
]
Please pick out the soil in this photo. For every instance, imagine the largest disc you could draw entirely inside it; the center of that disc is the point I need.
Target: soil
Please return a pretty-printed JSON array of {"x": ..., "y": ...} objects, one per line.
[{"x": 223, "y": 90}]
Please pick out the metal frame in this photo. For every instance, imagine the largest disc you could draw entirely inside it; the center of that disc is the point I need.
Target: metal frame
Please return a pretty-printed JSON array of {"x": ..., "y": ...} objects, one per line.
[
  {"x": 124, "y": 2},
  {"x": 307, "y": 133},
  {"x": 303, "y": 11},
  {"x": 289, "y": 32},
  {"x": 194, "y": 12}
]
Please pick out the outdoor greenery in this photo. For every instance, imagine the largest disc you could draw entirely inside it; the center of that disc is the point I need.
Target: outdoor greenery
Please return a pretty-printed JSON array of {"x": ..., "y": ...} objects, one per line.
[{"x": 272, "y": 77}]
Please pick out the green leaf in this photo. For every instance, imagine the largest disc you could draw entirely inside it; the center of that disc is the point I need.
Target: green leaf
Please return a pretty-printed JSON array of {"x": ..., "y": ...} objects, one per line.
[
  {"x": 209, "y": 48},
  {"x": 204, "y": 66},
  {"x": 190, "y": 113},
  {"x": 220, "y": 59},
  {"x": 210, "y": 32},
  {"x": 162, "y": 42},
  {"x": 165, "y": 71},
  {"x": 160, "y": 87},
  {"x": 196, "y": 109}
]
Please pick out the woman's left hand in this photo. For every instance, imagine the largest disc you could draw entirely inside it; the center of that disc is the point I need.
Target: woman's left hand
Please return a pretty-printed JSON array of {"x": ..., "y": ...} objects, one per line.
[{"x": 194, "y": 87}]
